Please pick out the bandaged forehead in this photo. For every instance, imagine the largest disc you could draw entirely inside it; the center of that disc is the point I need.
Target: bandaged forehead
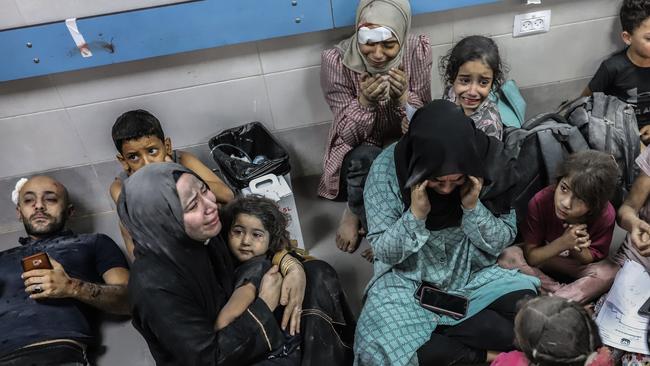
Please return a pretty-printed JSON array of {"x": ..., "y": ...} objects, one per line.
[{"x": 367, "y": 35}]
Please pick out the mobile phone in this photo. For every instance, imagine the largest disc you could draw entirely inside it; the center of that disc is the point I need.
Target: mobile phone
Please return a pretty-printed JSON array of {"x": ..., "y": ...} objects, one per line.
[
  {"x": 445, "y": 303},
  {"x": 36, "y": 261},
  {"x": 644, "y": 310},
  {"x": 418, "y": 293}
]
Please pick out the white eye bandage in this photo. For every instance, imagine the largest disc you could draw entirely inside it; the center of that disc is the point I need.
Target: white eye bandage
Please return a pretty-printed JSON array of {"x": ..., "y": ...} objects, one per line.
[
  {"x": 366, "y": 35},
  {"x": 16, "y": 192}
]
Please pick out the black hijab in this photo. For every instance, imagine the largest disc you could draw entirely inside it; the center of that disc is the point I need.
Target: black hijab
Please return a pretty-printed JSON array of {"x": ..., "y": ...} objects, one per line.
[
  {"x": 150, "y": 209},
  {"x": 441, "y": 141}
]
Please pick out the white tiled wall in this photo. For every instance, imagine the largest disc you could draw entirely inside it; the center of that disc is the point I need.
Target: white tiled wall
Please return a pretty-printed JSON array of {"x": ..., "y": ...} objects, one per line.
[
  {"x": 276, "y": 81},
  {"x": 27, "y": 12}
]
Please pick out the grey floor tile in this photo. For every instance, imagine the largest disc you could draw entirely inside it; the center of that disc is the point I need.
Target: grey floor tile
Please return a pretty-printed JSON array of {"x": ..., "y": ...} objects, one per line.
[
  {"x": 10, "y": 239},
  {"x": 105, "y": 223},
  {"x": 319, "y": 220}
]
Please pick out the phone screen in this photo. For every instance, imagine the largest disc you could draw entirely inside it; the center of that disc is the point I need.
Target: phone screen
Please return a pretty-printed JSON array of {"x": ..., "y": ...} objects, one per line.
[{"x": 444, "y": 301}]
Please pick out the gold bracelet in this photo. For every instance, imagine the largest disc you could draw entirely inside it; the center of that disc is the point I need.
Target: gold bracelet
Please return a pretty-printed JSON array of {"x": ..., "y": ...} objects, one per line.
[
  {"x": 286, "y": 268},
  {"x": 287, "y": 264},
  {"x": 278, "y": 257}
]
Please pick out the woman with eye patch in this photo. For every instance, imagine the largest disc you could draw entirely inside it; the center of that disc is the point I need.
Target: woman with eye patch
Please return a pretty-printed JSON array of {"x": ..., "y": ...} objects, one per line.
[
  {"x": 430, "y": 221},
  {"x": 372, "y": 81}
]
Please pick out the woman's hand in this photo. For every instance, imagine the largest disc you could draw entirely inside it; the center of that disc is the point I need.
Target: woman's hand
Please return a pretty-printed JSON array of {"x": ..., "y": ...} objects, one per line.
[
  {"x": 420, "y": 205},
  {"x": 373, "y": 89},
  {"x": 270, "y": 288},
  {"x": 470, "y": 191},
  {"x": 398, "y": 85},
  {"x": 293, "y": 292}
]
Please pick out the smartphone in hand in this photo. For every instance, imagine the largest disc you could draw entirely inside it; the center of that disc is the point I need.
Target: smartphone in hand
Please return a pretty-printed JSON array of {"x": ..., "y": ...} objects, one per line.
[{"x": 36, "y": 261}]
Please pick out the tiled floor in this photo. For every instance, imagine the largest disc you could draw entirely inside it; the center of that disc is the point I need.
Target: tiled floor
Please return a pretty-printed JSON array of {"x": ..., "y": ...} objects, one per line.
[{"x": 319, "y": 219}]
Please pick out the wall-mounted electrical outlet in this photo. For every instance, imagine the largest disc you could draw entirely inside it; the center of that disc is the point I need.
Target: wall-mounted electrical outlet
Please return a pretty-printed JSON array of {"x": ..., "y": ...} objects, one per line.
[{"x": 531, "y": 23}]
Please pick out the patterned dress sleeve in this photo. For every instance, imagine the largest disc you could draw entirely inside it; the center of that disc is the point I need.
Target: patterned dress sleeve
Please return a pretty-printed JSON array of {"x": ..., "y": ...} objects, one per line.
[
  {"x": 488, "y": 233},
  {"x": 353, "y": 122},
  {"x": 393, "y": 234},
  {"x": 420, "y": 78}
]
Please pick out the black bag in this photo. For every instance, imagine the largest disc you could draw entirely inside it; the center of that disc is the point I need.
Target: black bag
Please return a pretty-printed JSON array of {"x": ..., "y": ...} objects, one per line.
[
  {"x": 609, "y": 125},
  {"x": 538, "y": 148},
  {"x": 236, "y": 148}
]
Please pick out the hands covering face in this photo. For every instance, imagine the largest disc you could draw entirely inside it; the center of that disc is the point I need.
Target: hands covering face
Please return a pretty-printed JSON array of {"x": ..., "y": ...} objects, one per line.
[{"x": 378, "y": 88}]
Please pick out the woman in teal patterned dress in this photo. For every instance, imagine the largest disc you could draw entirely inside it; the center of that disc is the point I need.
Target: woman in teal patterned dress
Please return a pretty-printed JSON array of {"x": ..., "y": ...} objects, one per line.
[{"x": 427, "y": 223}]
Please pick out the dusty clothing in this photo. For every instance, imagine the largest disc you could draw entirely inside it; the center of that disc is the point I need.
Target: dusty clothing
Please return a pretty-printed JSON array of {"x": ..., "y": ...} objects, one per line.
[
  {"x": 460, "y": 259},
  {"x": 453, "y": 247},
  {"x": 542, "y": 227},
  {"x": 486, "y": 117},
  {"x": 354, "y": 124},
  {"x": 178, "y": 287},
  {"x": 24, "y": 321}
]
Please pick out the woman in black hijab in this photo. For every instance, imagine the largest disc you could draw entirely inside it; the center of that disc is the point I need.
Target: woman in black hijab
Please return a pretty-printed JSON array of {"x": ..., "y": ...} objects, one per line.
[
  {"x": 427, "y": 224},
  {"x": 184, "y": 274}
]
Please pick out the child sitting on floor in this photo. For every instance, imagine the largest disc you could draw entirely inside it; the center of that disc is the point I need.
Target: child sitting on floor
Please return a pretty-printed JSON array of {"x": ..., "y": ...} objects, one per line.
[
  {"x": 139, "y": 140},
  {"x": 568, "y": 230},
  {"x": 552, "y": 331},
  {"x": 471, "y": 70}
]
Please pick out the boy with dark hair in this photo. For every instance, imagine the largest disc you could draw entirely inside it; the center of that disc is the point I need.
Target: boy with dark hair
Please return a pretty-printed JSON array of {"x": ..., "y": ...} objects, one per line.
[
  {"x": 626, "y": 74},
  {"x": 140, "y": 140}
]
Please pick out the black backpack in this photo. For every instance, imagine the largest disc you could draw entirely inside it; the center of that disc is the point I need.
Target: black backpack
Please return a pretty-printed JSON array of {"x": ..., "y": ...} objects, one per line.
[
  {"x": 609, "y": 125},
  {"x": 534, "y": 151}
]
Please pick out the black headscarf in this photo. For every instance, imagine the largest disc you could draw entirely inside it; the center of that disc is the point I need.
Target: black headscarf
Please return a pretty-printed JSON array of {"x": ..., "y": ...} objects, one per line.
[
  {"x": 150, "y": 209},
  {"x": 441, "y": 141}
]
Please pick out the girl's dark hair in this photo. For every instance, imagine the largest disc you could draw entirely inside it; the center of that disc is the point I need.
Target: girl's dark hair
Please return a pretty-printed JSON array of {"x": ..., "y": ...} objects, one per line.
[
  {"x": 633, "y": 13},
  {"x": 553, "y": 331},
  {"x": 593, "y": 176},
  {"x": 472, "y": 48},
  {"x": 267, "y": 211}
]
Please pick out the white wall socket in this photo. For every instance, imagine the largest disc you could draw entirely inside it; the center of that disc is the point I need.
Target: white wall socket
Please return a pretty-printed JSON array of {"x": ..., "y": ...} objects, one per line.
[{"x": 531, "y": 23}]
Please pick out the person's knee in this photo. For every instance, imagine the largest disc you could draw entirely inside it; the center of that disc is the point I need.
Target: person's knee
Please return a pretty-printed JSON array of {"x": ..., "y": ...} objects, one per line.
[
  {"x": 361, "y": 158},
  {"x": 320, "y": 271},
  {"x": 511, "y": 258},
  {"x": 605, "y": 270}
]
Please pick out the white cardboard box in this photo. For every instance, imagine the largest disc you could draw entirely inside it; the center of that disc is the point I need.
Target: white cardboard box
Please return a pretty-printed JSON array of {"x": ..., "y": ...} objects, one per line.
[{"x": 276, "y": 188}]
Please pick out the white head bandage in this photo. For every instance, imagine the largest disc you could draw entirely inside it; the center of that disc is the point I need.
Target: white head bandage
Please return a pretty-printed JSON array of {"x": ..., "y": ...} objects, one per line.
[
  {"x": 367, "y": 35},
  {"x": 16, "y": 192}
]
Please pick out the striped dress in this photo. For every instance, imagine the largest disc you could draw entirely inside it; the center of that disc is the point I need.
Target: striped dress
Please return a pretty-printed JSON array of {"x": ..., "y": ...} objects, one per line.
[
  {"x": 461, "y": 260},
  {"x": 355, "y": 124}
]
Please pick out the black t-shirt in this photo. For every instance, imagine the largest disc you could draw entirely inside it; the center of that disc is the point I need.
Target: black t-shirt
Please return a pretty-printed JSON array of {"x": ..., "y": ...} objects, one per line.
[
  {"x": 618, "y": 76},
  {"x": 24, "y": 321}
]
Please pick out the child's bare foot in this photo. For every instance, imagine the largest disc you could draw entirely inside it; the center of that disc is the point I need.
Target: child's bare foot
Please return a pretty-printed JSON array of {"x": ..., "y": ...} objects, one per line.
[{"x": 348, "y": 236}]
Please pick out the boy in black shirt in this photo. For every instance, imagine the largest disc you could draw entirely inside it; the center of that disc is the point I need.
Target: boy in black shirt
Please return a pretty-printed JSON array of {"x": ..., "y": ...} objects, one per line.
[{"x": 626, "y": 74}]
